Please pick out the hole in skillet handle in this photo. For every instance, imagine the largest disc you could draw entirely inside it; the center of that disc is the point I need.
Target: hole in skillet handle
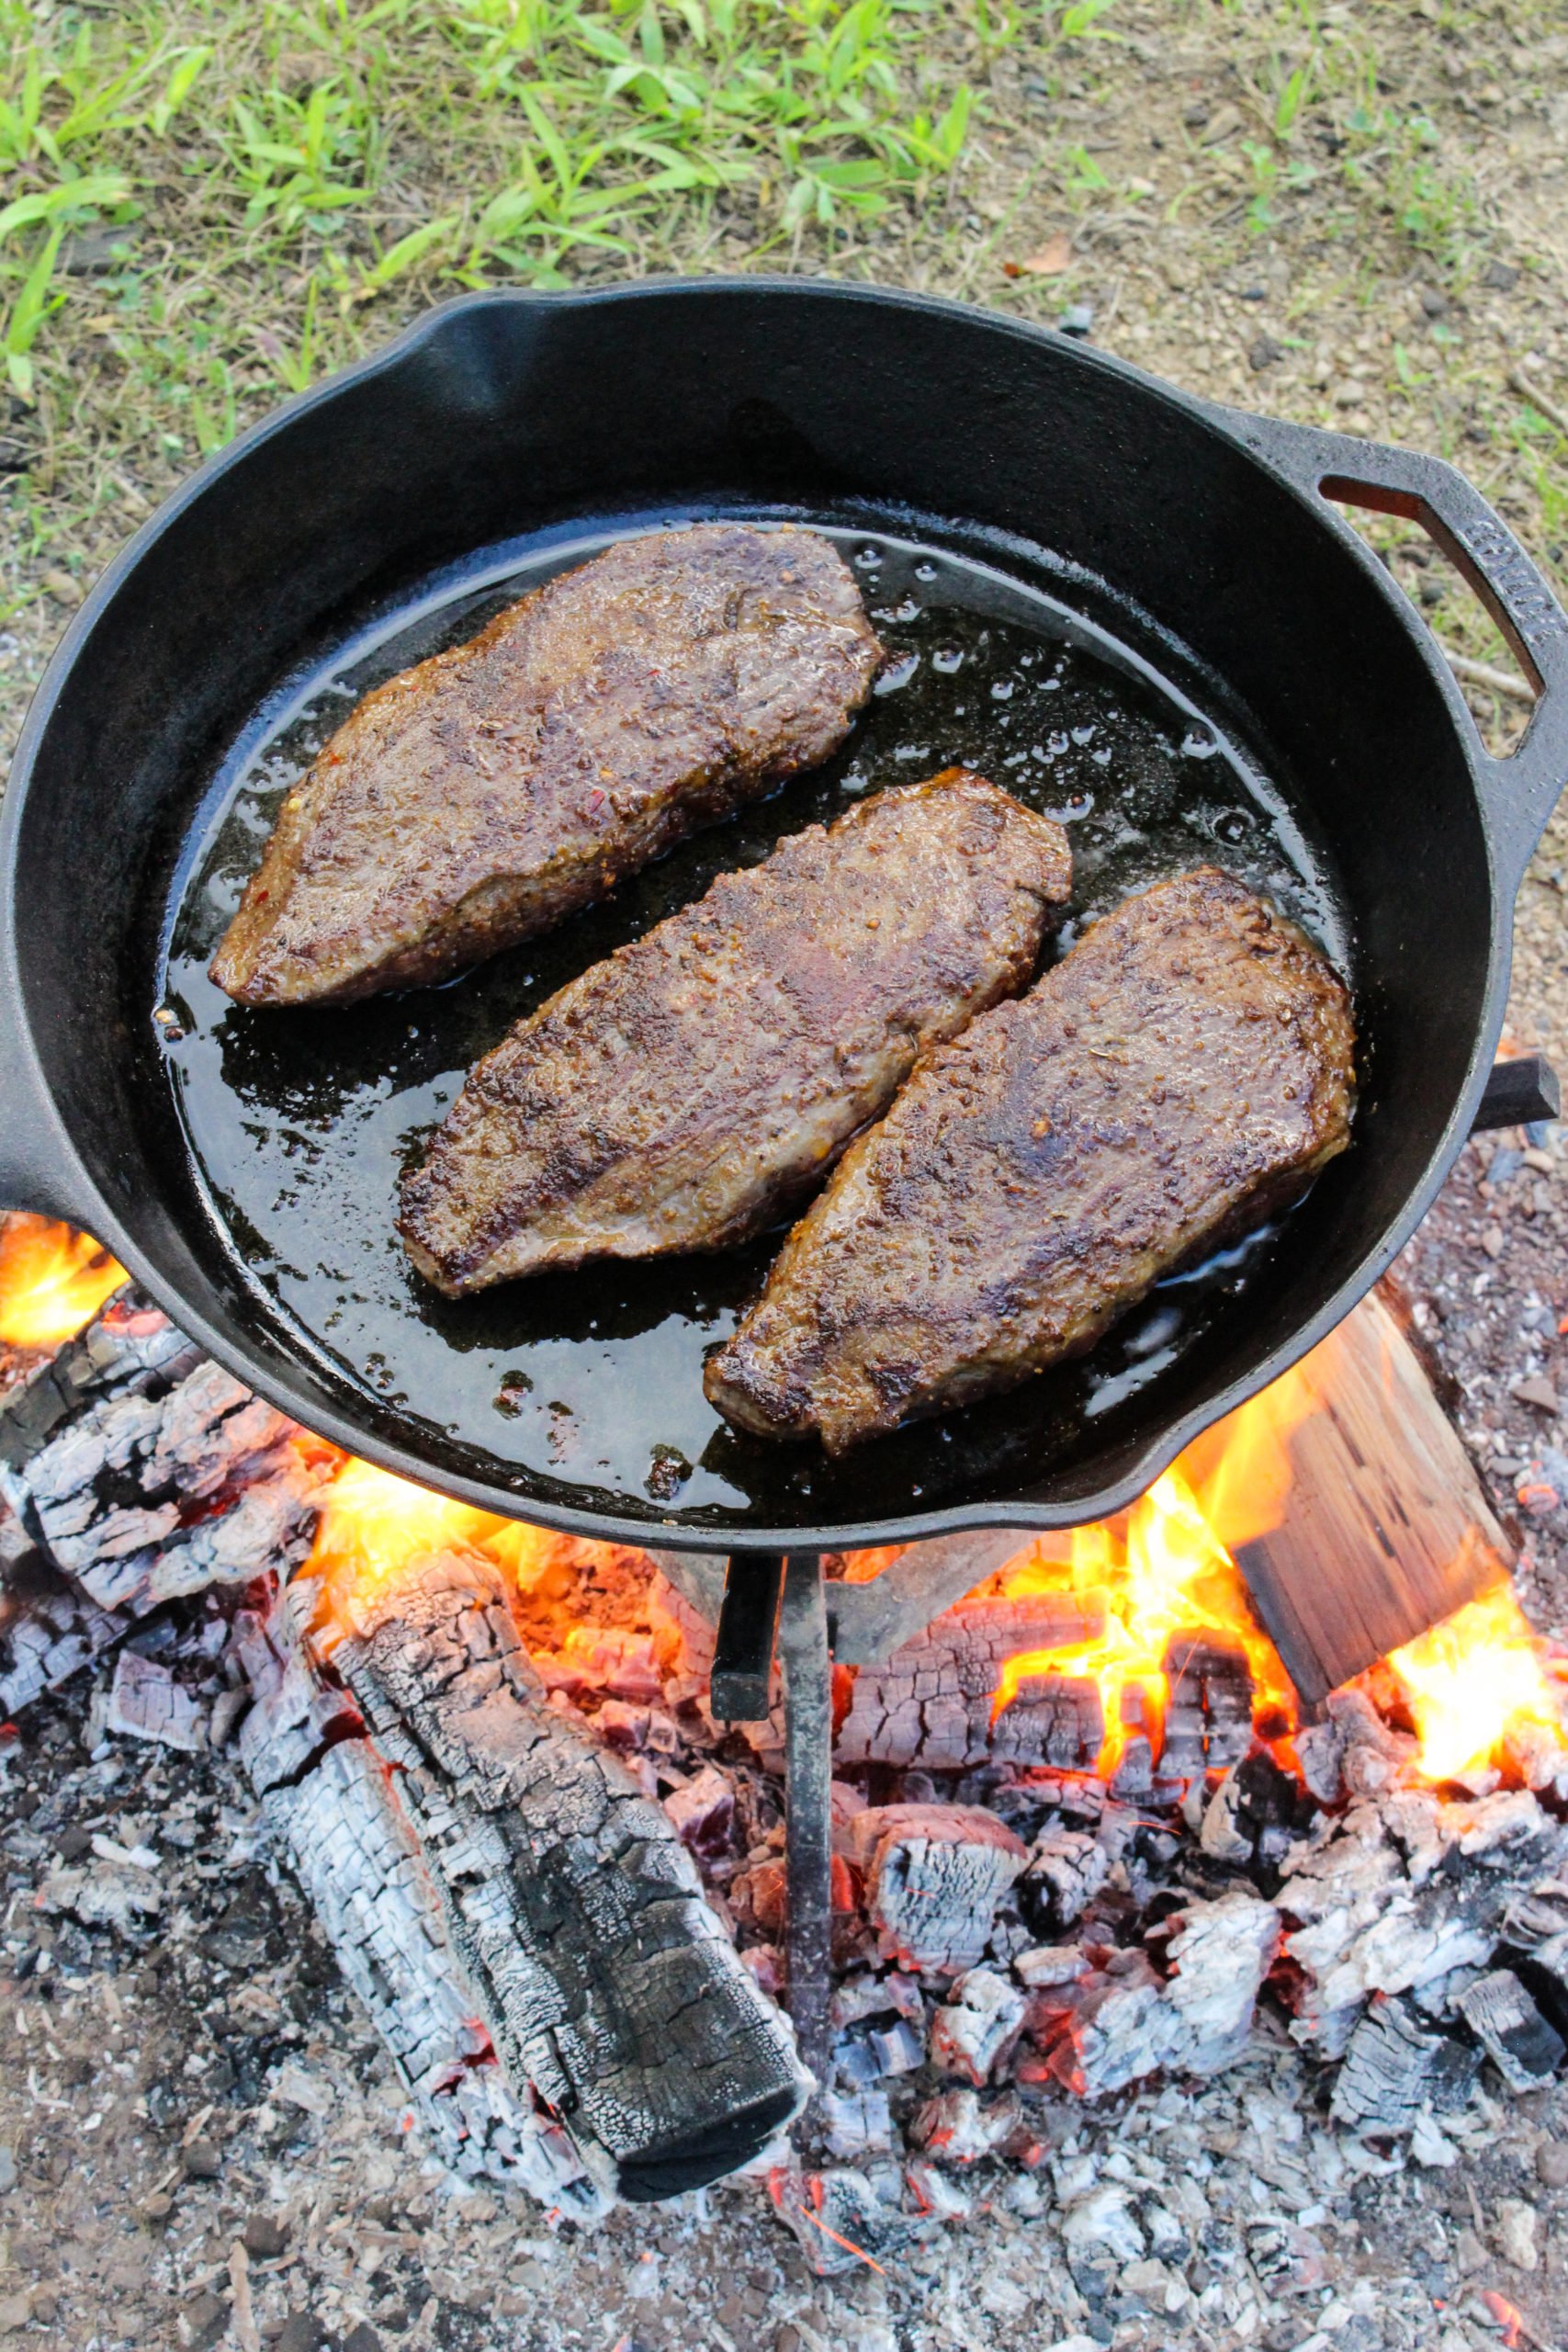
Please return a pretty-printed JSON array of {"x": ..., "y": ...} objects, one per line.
[{"x": 1525, "y": 685}]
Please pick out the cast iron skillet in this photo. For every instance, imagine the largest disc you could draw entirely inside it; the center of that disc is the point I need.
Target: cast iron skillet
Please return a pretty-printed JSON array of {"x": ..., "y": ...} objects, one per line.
[{"x": 1199, "y": 537}]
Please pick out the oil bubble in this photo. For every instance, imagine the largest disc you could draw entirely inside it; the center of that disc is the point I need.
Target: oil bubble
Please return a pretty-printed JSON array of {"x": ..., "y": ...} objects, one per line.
[
  {"x": 947, "y": 659},
  {"x": 1234, "y": 825}
]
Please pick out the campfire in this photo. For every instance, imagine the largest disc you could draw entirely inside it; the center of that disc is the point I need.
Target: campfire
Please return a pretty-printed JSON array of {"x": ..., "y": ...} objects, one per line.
[
  {"x": 1100, "y": 1818},
  {"x": 52, "y": 1281}
]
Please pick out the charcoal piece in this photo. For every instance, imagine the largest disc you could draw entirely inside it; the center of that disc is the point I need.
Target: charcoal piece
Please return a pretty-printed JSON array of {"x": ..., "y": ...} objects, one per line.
[
  {"x": 487, "y": 792},
  {"x": 1388, "y": 2073},
  {"x": 147, "y": 1702},
  {"x": 976, "y": 2026},
  {"x": 1525, "y": 2050},
  {"x": 1402, "y": 1892},
  {"x": 934, "y": 1875},
  {"x": 838, "y": 2221},
  {"x": 955, "y": 2128}
]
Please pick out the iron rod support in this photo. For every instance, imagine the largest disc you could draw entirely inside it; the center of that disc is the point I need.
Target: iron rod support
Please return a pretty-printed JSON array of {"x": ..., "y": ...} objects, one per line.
[
  {"x": 739, "y": 1686},
  {"x": 808, "y": 1771}
]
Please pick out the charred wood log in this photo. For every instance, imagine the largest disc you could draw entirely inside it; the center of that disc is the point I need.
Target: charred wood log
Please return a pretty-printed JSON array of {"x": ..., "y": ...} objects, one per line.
[
  {"x": 931, "y": 1705},
  {"x": 49, "y": 1629},
  {"x": 329, "y": 1800},
  {"x": 144, "y": 1470},
  {"x": 571, "y": 1907}
]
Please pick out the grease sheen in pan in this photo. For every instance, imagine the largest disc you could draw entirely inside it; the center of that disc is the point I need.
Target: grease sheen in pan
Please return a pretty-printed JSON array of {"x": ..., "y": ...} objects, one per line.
[{"x": 300, "y": 1121}]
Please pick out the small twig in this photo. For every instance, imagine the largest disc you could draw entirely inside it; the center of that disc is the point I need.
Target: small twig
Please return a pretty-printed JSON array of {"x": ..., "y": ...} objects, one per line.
[
  {"x": 1482, "y": 673},
  {"x": 1537, "y": 399}
]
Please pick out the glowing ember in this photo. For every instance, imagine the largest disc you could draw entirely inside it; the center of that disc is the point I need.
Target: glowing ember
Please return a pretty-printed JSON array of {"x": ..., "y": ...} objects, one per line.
[
  {"x": 1474, "y": 1683},
  {"x": 52, "y": 1281},
  {"x": 1167, "y": 1585}
]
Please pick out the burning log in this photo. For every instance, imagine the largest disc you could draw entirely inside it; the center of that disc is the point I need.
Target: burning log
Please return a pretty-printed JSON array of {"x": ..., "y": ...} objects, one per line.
[
  {"x": 572, "y": 1905},
  {"x": 1387, "y": 1527},
  {"x": 934, "y": 1875},
  {"x": 932, "y": 1704}
]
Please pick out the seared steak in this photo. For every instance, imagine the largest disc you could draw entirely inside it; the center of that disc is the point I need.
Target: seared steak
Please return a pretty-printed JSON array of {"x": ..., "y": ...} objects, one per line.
[
  {"x": 684, "y": 1092},
  {"x": 1184, "y": 1070},
  {"x": 485, "y": 793}
]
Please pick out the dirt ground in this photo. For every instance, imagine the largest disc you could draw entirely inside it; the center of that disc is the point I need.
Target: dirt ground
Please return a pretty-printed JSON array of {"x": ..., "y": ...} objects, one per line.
[{"x": 200, "y": 2142}]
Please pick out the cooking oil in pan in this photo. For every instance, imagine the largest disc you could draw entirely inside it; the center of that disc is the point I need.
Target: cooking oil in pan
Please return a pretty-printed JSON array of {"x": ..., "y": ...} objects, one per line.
[{"x": 586, "y": 1388}]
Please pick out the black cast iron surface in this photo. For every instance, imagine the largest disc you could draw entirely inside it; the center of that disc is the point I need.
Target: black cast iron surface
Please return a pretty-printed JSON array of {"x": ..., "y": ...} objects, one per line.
[{"x": 1048, "y": 523}]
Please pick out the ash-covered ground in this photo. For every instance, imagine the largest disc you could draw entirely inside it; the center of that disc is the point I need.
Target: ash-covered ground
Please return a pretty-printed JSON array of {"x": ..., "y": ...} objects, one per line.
[{"x": 202, "y": 2142}]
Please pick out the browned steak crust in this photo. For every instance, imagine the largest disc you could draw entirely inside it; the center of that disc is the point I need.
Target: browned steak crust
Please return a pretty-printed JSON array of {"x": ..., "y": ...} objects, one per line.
[
  {"x": 1185, "y": 1069},
  {"x": 682, "y": 1092},
  {"x": 484, "y": 794}
]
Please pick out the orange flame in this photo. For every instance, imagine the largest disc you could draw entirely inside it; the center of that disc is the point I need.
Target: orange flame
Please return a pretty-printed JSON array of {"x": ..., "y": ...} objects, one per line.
[
  {"x": 374, "y": 1527},
  {"x": 52, "y": 1281},
  {"x": 1169, "y": 1582},
  {"x": 1474, "y": 1683}
]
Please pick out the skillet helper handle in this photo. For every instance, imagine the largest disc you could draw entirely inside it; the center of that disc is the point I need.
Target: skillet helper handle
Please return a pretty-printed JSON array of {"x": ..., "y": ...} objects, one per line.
[
  {"x": 1524, "y": 1092},
  {"x": 1521, "y": 790},
  {"x": 38, "y": 1170}
]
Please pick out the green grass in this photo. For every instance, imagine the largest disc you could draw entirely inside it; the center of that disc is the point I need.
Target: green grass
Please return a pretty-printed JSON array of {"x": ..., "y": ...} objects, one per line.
[{"x": 206, "y": 203}]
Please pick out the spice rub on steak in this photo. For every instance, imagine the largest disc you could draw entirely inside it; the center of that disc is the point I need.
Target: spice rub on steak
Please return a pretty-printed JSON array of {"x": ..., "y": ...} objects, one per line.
[
  {"x": 684, "y": 1092},
  {"x": 1184, "y": 1070},
  {"x": 482, "y": 795}
]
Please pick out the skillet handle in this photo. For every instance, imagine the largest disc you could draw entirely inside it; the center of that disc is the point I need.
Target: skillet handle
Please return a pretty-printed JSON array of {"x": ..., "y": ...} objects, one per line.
[
  {"x": 38, "y": 1169},
  {"x": 1521, "y": 790},
  {"x": 1524, "y": 1092}
]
